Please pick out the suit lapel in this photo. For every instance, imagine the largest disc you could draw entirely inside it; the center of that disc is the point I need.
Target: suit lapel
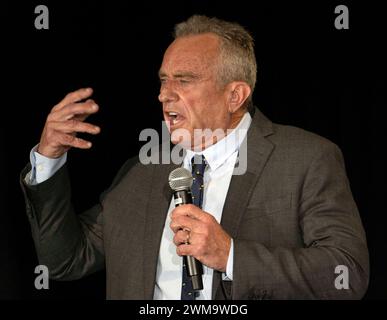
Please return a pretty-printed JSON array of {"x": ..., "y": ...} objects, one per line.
[{"x": 259, "y": 150}]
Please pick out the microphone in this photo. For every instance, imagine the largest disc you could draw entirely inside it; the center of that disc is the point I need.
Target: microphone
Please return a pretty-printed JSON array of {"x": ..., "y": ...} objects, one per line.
[{"x": 180, "y": 181}]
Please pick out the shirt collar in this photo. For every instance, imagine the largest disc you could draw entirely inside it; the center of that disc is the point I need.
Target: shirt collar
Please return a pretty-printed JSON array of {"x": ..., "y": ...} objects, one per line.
[{"x": 218, "y": 153}]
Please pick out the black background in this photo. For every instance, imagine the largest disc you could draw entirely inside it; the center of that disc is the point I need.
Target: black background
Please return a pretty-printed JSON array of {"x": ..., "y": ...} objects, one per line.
[{"x": 311, "y": 75}]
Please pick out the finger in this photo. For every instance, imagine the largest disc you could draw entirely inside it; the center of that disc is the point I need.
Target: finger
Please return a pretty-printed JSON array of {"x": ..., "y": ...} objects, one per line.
[
  {"x": 184, "y": 222},
  {"x": 72, "y": 126},
  {"x": 74, "y": 109},
  {"x": 189, "y": 210},
  {"x": 81, "y": 117},
  {"x": 74, "y": 96},
  {"x": 73, "y": 141},
  {"x": 186, "y": 250},
  {"x": 181, "y": 236}
]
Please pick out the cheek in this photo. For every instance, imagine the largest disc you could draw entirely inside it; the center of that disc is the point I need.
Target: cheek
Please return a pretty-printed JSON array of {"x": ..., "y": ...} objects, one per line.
[
  {"x": 195, "y": 108},
  {"x": 203, "y": 109}
]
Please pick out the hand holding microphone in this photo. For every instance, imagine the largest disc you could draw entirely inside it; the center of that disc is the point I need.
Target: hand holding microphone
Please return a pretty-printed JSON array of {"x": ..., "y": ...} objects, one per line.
[
  {"x": 180, "y": 181},
  {"x": 209, "y": 243}
]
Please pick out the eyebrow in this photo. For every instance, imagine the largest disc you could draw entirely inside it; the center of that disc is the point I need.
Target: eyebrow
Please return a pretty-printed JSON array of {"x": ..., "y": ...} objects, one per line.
[{"x": 180, "y": 74}]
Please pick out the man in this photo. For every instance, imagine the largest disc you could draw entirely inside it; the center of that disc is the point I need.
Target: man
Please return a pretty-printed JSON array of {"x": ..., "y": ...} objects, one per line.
[{"x": 278, "y": 231}]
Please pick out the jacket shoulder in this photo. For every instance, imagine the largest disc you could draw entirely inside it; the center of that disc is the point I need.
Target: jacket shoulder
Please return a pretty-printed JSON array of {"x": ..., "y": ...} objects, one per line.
[{"x": 293, "y": 139}]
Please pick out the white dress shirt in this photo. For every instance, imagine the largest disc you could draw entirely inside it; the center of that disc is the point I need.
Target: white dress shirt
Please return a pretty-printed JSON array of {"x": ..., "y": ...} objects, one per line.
[{"x": 221, "y": 158}]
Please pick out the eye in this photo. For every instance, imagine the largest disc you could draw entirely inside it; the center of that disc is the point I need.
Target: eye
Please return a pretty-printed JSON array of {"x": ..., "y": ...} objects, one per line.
[{"x": 184, "y": 81}]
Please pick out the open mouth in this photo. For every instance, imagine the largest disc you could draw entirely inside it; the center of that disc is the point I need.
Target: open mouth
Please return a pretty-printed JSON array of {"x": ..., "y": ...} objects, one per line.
[{"x": 174, "y": 118}]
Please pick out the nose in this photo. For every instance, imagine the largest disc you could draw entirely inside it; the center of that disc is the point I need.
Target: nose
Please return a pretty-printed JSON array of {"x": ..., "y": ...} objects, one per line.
[{"x": 167, "y": 94}]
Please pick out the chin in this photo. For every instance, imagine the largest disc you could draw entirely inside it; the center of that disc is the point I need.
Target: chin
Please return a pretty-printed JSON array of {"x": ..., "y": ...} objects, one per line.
[{"x": 181, "y": 136}]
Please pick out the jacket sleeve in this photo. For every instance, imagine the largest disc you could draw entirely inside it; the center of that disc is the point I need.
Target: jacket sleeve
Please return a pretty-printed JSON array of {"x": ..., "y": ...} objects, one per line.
[
  {"x": 69, "y": 244},
  {"x": 333, "y": 236}
]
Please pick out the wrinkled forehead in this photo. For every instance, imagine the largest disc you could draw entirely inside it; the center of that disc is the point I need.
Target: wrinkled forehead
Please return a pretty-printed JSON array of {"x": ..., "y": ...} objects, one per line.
[{"x": 196, "y": 53}]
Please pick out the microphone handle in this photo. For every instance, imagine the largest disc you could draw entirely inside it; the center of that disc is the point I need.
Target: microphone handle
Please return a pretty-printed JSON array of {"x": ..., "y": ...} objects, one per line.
[
  {"x": 194, "y": 267},
  {"x": 195, "y": 271}
]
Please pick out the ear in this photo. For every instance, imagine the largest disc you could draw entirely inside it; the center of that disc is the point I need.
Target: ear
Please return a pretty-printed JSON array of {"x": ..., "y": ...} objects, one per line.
[{"x": 237, "y": 93}]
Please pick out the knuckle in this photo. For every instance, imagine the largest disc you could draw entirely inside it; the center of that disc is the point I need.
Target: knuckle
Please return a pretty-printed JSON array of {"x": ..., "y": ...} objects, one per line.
[
  {"x": 72, "y": 107},
  {"x": 64, "y": 139},
  {"x": 207, "y": 218},
  {"x": 70, "y": 95},
  {"x": 87, "y": 126},
  {"x": 191, "y": 206},
  {"x": 78, "y": 141},
  {"x": 74, "y": 123},
  {"x": 77, "y": 93},
  {"x": 69, "y": 139}
]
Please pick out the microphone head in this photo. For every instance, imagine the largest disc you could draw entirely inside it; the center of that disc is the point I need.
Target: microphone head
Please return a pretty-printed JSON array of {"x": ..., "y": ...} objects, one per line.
[{"x": 180, "y": 179}]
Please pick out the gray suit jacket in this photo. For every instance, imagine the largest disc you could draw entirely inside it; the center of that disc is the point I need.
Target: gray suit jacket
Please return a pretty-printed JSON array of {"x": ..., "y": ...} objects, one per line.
[{"x": 291, "y": 215}]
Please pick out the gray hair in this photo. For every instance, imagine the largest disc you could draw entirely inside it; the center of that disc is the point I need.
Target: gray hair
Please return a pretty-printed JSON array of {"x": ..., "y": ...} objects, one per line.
[{"x": 237, "y": 58}]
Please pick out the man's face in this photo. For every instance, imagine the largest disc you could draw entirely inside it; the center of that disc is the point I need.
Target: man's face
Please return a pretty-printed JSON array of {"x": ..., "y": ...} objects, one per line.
[{"x": 189, "y": 93}]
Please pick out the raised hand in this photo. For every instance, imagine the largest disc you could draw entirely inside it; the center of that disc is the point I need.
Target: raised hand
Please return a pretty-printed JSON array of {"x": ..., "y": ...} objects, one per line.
[{"x": 64, "y": 121}]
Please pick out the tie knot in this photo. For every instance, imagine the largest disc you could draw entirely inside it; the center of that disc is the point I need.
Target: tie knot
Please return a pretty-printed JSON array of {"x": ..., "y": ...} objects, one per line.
[{"x": 199, "y": 164}]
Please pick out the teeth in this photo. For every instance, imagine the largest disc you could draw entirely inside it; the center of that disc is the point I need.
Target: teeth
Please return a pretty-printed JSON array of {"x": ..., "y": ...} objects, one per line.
[{"x": 173, "y": 117}]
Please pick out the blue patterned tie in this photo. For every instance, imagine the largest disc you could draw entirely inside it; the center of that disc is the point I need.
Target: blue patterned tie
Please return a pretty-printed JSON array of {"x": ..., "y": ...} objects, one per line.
[{"x": 198, "y": 166}]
